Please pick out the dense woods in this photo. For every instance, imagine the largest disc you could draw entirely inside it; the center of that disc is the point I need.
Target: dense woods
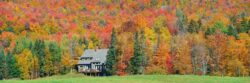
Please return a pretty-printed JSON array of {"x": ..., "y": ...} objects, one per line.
[{"x": 40, "y": 38}]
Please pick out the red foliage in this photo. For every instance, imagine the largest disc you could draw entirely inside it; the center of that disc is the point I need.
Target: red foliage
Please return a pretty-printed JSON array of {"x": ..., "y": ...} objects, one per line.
[
  {"x": 121, "y": 68},
  {"x": 124, "y": 62},
  {"x": 169, "y": 64}
]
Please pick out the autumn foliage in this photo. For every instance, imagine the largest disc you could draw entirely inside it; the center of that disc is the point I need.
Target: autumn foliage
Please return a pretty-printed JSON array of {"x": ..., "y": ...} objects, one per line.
[{"x": 42, "y": 38}]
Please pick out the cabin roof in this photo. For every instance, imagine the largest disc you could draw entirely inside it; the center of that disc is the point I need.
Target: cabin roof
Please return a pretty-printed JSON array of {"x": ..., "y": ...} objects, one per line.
[{"x": 98, "y": 55}]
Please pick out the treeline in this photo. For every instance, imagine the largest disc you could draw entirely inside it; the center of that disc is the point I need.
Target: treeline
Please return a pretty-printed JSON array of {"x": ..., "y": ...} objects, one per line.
[
  {"x": 135, "y": 49},
  {"x": 222, "y": 50},
  {"x": 29, "y": 59},
  {"x": 218, "y": 49}
]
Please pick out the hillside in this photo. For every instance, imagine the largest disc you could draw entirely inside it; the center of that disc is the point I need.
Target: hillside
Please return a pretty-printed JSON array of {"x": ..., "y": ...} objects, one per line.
[{"x": 40, "y": 38}]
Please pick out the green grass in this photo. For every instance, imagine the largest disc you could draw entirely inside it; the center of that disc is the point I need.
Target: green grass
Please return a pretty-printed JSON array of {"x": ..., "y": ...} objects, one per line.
[{"x": 79, "y": 78}]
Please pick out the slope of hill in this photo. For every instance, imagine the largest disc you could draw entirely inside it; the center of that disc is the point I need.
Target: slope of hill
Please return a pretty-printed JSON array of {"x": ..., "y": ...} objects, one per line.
[{"x": 40, "y": 38}]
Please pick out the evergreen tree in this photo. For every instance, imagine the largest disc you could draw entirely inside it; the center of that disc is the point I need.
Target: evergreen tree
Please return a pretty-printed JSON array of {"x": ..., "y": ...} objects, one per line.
[
  {"x": 193, "y": 27},
  {"x": 182, "y": 21},
  {"x": 14, "y": 71},
  {"x": 10, "y": 29},
  {"x": 56, "y": 55},
  {"x": 21, "y": 44},
  {"x": 112, "y": 56},
  {"x": 134, "y": 62},
  {"x": 48, "y": 63},
  {"x": 233, "y": 32},
  {"x": 210, "y": 31},
  {"x": 3, "y": 67},
  {"x": 143, "y": 49},
  {"x": 39, "y": 51},
  {"x": 138, "y": 61},
  {"x": 2, "y": 61},
  {"x": 248, "y": 26},
  {"x": 30, "y": 45}
]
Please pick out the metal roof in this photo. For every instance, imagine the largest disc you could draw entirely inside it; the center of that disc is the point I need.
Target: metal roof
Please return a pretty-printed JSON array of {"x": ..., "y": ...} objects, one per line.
[{"x": 98, "y": 55}]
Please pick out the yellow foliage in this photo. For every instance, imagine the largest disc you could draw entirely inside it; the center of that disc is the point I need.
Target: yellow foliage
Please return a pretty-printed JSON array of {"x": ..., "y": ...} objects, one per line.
[
  {"x": 149, "y": 33},
  {"x": 236, "y": 59},
  {"x": 245, "y": 37},
  {"x": 34, "y": 67},
  {"x": 37, "y": 31},
  {"x": 48, "y": 62},
  {"x": 66, "y": 60},
  {"x": 166, "y": 35},
  {"x": 219, "y": 17},
  {"x": 24, "y": 61},
  {"x": 79, "y": 50},
  {"x": 91, "y": 45},
  {"x": 51, "y": 26},
  {"x": 17, "y": 9},
  {"x": 182, "y": 54}
]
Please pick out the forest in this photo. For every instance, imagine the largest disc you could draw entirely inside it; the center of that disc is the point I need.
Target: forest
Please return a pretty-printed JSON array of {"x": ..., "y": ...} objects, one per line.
[{"x": 40, "y": 38}]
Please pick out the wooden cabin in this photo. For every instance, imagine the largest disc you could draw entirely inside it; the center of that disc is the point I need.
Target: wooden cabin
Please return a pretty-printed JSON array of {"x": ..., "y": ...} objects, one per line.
[{"x": 92, "y": 62}]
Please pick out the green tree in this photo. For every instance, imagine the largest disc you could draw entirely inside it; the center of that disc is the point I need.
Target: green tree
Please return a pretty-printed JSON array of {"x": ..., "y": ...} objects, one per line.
[
  {"x": 220, "y": 26},
  {"x": 112, "y": 55},
  {"x": 9, "y": 28},
  {"x": 243, "y": 26},
  {"x": 48, "y": 63},
  {"x": 39, "y": 51},
  {"x": 248, "y": 26},
  {"x": 210, "y": 31},
  {"x": 193, "y": 27},
  {"x": 138, "y": 61},
  {"x": 21, "y": 44},
  {"x": 143, "y": 50},
  {"x": 56, "y": 55},
  {"x": 182, "y": 21},
  {"x": 134, "y": 62},
  {"x": 232, "y": 31},
  {"x": 13, "y": 72},
  {"x": 2, "y": 57}
]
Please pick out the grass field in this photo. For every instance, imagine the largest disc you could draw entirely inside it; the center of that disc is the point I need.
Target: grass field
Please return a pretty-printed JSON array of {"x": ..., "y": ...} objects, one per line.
[{"x": 78, "y": 78}]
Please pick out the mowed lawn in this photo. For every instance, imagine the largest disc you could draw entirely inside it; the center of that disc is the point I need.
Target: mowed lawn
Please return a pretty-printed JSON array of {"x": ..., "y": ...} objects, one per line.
[{"x": 78, "y": 78}]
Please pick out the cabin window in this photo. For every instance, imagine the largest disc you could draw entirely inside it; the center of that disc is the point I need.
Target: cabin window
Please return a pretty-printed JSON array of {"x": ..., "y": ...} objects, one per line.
[
  {"x": 85, "y": 67},
  {"x": 95, "y": 67}
]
